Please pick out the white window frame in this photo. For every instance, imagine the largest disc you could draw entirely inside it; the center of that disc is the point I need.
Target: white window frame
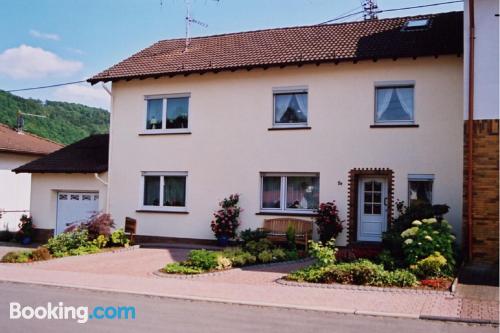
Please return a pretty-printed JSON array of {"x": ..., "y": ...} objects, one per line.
[
  {"x": 284, "y": 177},
  {"x": 420, "y": 178},
  {"x": 162, "y": 208},
  {"x": 164, "y": 99},
  {"x": 394, "y": 84},
  {"x": 289, "y": 90}
]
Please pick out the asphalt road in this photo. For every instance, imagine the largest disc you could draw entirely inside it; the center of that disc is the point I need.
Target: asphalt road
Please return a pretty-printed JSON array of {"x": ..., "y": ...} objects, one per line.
[{"x": 155, "y": 314}]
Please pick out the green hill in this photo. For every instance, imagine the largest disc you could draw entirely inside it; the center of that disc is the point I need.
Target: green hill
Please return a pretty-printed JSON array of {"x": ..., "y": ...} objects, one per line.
[{"x": 65, "y": 122}]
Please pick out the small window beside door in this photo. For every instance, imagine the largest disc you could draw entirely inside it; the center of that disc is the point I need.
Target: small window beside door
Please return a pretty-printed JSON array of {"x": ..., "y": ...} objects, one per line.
[
  {"x": 420, "y": 189},
  {"x": 394, "y": 104}
]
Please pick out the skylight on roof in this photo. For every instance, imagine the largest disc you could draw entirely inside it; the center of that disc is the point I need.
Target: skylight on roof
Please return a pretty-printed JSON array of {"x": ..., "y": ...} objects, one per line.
[{"x": 416, "y": 24}]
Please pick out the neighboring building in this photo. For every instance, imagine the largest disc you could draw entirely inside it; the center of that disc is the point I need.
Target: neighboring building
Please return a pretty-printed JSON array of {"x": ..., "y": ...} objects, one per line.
[
  {"x": 18, "y": 148},
  {"x": 363, "y": 113},
  {"x": 481, "y": 217},
  {"x": 68, "y": 185}
]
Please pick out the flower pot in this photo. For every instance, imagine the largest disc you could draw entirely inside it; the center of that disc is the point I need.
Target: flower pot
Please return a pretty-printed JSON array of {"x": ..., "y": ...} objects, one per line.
[
  {"x": 223, "y": 241},
  {"x": 26, "y": 240}
]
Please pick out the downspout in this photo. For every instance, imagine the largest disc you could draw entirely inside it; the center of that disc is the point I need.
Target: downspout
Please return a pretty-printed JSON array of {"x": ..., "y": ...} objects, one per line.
[
  {"x": 470, "y": 129},
  {"x": 109, "y": 150}
]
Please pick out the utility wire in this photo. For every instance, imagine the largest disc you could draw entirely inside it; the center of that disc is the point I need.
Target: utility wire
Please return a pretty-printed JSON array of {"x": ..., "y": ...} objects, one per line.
[
  {"x": 49, "y": 86},
  {"x": 392, "y": 10}
]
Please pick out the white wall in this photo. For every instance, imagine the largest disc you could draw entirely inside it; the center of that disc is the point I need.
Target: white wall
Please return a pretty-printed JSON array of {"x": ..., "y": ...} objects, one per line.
[
  {"x": 486, "y": 92},
  {"x": 230, "y": 114},
  {"x": 14, "y": 189},
  {"x": 44, "y": 188}
]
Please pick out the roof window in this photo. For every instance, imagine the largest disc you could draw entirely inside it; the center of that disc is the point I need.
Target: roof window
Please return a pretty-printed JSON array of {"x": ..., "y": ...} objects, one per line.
[{"x": 417, "y": 24}]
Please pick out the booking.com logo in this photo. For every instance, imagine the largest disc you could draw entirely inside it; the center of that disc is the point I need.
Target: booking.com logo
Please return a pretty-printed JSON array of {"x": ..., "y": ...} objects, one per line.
[{"x": 81, "y": 314}]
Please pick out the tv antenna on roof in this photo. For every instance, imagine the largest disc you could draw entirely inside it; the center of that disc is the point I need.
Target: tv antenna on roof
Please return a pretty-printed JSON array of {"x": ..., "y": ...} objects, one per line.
[
  {"x": 189, "y": 19},
  {"x": 20, "y": 119},
  {"x": 370, "y": 9}
]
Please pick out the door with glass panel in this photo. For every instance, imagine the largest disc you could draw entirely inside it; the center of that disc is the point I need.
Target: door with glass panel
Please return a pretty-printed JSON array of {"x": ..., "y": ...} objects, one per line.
[{"x": 372, "y": 209}]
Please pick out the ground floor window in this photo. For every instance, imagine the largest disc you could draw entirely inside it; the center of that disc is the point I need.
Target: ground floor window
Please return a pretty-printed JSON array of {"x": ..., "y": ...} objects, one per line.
[
  {"x": 289, "y": 192},
  {"x": 420, "y": 189},
  {"x": 164, "y": 190}
]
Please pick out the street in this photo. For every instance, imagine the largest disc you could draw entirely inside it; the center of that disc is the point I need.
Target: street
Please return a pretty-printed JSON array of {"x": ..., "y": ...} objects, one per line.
[{"x": 154, "y": 314}]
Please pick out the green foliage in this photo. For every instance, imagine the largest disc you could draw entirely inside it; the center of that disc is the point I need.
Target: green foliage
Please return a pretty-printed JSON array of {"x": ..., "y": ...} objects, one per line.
[
  {"x": 65, "y": 123},
  {"x": 292, "y": 255},
  {"x": 431, "y": 267},
  {"x": 16, "y": 257},
  {"x": 203, "y": 259},
  {"x": 256, "y": 247},
  {"x": 26, "y": 228},
  {"x": 181, "y": 268},
  {"x": 265, "y": 256},
  {"x": 62, "y": 244},
  {"x": 290, "y": 238},
  {"x": 278, "y": 254},
  {"x": 239, "y": 257},
  {"x": 40, "y": 253},
  {"x": 361, "y": 272},
  {"x": 100, "y": 241},
  {"x": 249, "y": 235},
  {"x": 323, "y": 254},
  {"x": 387, "y": 260},
  {"x": 425, "y": 238},
  {"x": 328, "y": 221},
  {"x": 89, "y": 248},
  {"x": 227, "y": 219},
  {"x": 119, "y": 238}
]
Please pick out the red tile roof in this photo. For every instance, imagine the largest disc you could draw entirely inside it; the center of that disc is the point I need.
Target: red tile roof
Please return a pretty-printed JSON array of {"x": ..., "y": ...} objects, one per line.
[
  {"x": 25, "y": 143},
  {"x": 88, "y": 155},
  {"x": 374, "y": 39}
]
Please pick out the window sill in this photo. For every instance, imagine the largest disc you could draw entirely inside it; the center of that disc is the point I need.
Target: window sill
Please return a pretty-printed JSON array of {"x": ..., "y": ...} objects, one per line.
[
  {"x": 164, "y": 133},
  {"x": 394, "y": 126},
  {"x": 161, "y": 211},
  {"x": 289, "y": 128},
  {"x": 287, "y": 214}
]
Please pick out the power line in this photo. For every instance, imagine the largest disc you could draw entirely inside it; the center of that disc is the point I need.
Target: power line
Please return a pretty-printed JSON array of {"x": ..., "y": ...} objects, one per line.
[
  {"x": 392, "y": 10},
  {"x": 49, "y": 86}
]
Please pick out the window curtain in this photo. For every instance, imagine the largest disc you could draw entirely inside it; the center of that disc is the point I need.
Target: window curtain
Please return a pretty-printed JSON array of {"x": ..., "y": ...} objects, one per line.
[
  {"x": 405, "y": 96},
  {"x": 151, "y": 191},
  {"x": 302, "y": 192},
  {"x": 271, "y": 192},
  {"x": 384, "y": 96},
  {"x": 174, "y": 191},
  {"x": 302, "y": 103},
  {"x": 281, "y": 103}
]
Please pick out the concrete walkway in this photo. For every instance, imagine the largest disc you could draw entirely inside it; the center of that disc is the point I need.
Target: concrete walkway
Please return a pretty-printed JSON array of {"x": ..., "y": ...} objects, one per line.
[{"x": 132, "y": 272}]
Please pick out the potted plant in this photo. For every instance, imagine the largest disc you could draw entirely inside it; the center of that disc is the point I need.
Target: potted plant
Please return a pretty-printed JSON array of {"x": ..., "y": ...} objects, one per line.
[
  {"x": 226, "y": 220},
  {"x": 328, "y": 221},
  {"x": 26, "y": 230}
]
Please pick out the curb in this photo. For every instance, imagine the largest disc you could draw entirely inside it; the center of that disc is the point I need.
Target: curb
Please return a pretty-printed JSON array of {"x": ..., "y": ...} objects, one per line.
[{"x": 460, "y": 320}]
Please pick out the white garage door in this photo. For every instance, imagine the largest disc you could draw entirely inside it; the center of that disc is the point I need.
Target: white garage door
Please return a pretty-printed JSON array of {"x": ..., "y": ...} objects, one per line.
[{"x": 75, "y": 207}]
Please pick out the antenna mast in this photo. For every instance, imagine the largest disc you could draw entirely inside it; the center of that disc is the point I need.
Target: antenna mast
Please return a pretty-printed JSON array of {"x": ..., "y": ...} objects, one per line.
[
  {"x": 20, "y": 119},
  {"x": 370, "y": 9}
]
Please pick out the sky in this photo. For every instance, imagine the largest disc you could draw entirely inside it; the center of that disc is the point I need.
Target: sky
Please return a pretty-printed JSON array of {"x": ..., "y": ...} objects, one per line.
[{"x": 45, "y": 42}]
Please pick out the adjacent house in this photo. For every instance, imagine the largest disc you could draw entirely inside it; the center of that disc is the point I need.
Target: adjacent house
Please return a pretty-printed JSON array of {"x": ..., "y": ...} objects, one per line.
[
  {"x": 18, "y": 148},
  {"x": 363, "y": 113},
  {"x": 69, "y": 185}
]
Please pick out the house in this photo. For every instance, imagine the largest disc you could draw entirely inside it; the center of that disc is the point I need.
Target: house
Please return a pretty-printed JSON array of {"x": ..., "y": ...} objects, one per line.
[
  {"x": 364, "y": 113},
  {"x": 68, "y": 185},
  {"x": 481, "y": 106},
  {"x": 18, "y": 148}
]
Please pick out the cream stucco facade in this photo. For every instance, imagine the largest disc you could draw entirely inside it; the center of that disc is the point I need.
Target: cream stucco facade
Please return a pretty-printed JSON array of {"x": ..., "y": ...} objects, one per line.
[
  {"x": 44, "y": 189},
  {"x": 230, "y": 144}
]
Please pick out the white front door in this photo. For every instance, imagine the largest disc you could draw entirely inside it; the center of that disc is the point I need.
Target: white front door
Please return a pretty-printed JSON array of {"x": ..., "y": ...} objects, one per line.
[
  {"x": 372, "y": 209},
  {"x": 75, "y": 207}
]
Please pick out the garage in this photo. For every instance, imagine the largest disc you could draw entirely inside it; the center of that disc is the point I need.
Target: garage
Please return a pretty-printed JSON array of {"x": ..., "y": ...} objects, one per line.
[{"x": 75, "y": 207}]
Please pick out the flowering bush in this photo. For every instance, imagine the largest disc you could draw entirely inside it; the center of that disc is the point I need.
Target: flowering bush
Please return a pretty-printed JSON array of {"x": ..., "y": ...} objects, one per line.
[
  {"x": 425, "y": 238},
  {"x": 26, "y": 228},
  {"x": 430, "y": 267},
  {"x": 226, "y": 220},
  {"x": 97, "y": 224},
  {"x": 328, "y": 221}
]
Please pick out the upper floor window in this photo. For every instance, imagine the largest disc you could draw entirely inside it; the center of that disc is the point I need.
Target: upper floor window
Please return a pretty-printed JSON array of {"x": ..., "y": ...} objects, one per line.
[
  {"x": 167, "y": 113},
  {"x": 289, "y": 192},
  {"x": 420, "y": 189},
  {"x": 290, "y": 107},
  {"x": 394, "y": 104}
]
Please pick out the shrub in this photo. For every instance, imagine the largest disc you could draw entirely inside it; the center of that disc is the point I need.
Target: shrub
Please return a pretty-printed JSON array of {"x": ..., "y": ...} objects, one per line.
[
  {"x": 399, "y": 278},
  {"x": 61, "y": 244},
  {"x": 203, "y": 259},
  {"x": 387, "y": 260},
  {"x": 226, "y": 220},
  {"x": 425, "y": 238},
  {"x": 223, "y": 263},
  {"x": 100, "y": 241},
  {"x": 290, "y": 238},
  {"x": 328, "y": 221},
  {"x": 430, "y": 267},
  {"x": 40, "y": 253},
  {"x": 89, "y": 248},
  {"x": 256, "y": 247},
  {"x": 239, "y": 257},
  {"x": 16, "y": 257},
  {"x": 98, "y": 224},
  {"x": 249, "y": 235},
  {"x": 180, "y": 268},
  {"x": 26, "y": 228},
  {"x": 323, "y": 254},
  {"x": 278, "y": 254},
  {"x": 312, "y": 274},
  {"x": 292, "y": 254},
  {"x": 265, "y": 256},
  {"x": 119, "y": 238}
]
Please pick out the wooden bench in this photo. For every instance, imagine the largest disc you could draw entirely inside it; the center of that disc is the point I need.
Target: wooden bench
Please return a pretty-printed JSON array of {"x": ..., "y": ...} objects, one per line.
[
  {"x": 276, "y": 230},
  {"x": 130, "y": 228}
]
